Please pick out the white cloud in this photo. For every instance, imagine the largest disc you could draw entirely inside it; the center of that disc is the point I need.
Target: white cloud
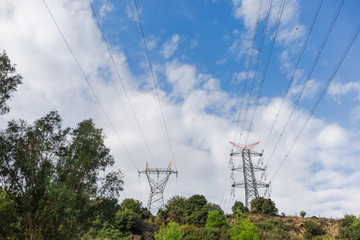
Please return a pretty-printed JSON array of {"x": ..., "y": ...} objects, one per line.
[
  {"x": 241, "y": 76},
  {"x": 199, "y": 125},
  {"x": 170, "y": 46},
  {"x": 355, "y": 114},
  {"x": 309, "y": 92},
  {"x": 106, "y": 8},
  {"x": 337, "y": 90}
]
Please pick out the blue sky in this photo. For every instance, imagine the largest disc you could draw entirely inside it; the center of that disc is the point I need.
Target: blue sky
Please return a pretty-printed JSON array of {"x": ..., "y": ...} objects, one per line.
[{"x": 200, "y": 52}]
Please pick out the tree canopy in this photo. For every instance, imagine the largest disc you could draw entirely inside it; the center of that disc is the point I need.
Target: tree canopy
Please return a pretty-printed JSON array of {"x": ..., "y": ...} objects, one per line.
[
  {"x": 9, "y": 81},
  {"x": 51, "y": 174}
]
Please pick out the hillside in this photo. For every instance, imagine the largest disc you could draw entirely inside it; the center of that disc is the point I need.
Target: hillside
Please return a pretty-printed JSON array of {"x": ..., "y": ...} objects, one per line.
[{"x": 269, "y": 227}]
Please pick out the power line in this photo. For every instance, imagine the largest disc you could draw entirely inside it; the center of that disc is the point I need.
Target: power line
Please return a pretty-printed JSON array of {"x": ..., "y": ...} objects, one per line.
[
  {"x": 155, "y": 85},
  {"x": 295, "y": 70},
  {"x": 308, "y": 75},
  {"x": 244, "y": 91},
  {"x": 122, "y": 84},
  {"x": 266, "y": 66},
  {"x": 89, "y": 85},
  {"x": 324, "y": 90},
  {"x": 249, "y": 68},
  {"x": 256, "y": 66}
]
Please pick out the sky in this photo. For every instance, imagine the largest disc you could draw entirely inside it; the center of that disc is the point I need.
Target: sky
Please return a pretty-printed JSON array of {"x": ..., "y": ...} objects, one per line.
[{"x": 220, "y": 71}]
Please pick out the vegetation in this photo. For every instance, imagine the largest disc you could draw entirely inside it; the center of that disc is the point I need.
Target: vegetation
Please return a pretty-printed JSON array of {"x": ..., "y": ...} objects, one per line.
[
  {"x": 239, "y": 207},
  {"x": 350, "y": 228},
  {"x": 263, "y": 206},
  {"x": 50, "y": 174},
  {"x": 243, "y": 229},
  {"x": 9, "y": 81},
  {"x": 55, "y": 185},
  {"x": 170, "y": 232},
  {"x": 215, "y": 219}
]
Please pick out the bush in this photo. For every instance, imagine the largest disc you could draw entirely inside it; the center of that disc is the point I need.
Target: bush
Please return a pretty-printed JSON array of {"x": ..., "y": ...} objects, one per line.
[
  {"x": 131, "y": 204},
  {"x": 215, "y": 219},
  {"x": 272, "y": 229},
  {"x": 203, "y": 233},
  {"x": 312, "y": 230},
  {"x": 239, "y": 207},
  {"x": 176, "y": 205},
  {"x": 196, "y": 210},
  {"x": 263, "y": 206},
  {"x": 127, "y": 220},
  {"x": 350, "y": 228},
  {"x": 243, "y": 229},
  {"x": 170, "y": 232}
]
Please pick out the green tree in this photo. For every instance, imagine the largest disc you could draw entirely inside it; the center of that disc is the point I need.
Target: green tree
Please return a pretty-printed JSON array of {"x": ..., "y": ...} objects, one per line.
[
  {"x": 176, "y": 205},
  {"x": 263, "y": 206},
  {"x": 10, "y": 219},
  {"x": 302, "y": 213},
  {"x": 350, "y": 228},
  {"x": 243, "y": 229},
  {"x": 127, "y": 220},
  {"x": 239, "y": 207},
  {"x": 195, "y": 209},
  {"x": 170, "y": 232},
  {"x": 215, "y": 219},
  {"x": 9, "y": 81},
  {"x": 52, "y": 173},
  {"x": 213, "y": 207},
  {"x": 131, "y": 204}
]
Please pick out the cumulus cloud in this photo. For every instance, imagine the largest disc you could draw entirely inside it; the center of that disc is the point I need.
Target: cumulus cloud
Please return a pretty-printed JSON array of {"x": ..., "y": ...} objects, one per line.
[{"x": 170, "y": 46}]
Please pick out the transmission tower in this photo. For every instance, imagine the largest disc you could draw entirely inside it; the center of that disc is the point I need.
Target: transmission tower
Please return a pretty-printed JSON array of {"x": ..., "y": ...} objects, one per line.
[
  {"x": 157, "y": 185},
  {"x": 248, "y": 168}
]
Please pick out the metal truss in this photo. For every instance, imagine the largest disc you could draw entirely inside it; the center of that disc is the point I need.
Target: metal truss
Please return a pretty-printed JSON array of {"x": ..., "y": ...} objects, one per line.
[
  {"x": 157, "y": 185},
  {"x": 248, "y": 168}
]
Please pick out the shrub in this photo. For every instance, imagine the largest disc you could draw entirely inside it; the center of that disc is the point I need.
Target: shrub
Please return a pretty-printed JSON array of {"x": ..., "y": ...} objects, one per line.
[
  {"x": 263, "y": 206},
  {"x": 350, "y": 228},
  {"x": 239, "y": 206},
  {"x": 203, "y": 233},
  {"x": 215, "y": 219},
  {"x": 196, "y": 210},
  {"x": 176, "y": 205},
  {"x": 170, "y": 232},
  {"x": 127, "y": 220},
  {"x": 132, "y": 204},
  {"x": 272, "y": 229},
  {"x": 243, "y": 229},
  {"x": 312, "y": 230}
]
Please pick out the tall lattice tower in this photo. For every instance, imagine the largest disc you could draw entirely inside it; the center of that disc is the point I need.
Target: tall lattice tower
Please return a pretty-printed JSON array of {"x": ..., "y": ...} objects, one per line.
[
  {"x": 248, "y": 168},
  {"x": 157, "y": 185}
]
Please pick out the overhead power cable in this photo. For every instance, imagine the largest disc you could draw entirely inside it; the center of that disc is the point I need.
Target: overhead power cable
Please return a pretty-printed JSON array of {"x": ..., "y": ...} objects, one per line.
[
  {"x": 256, "y": 67},
  {"x": 292, "y": 78},
  {"x": 244, "y": 92},
  {"x": 324, "y": 90},
  {"x": 90, "y": 86},
  {"x": 155, "y": 85},
  {"x": 308, "y": 76},
  {"x": 249, "y": 69},
  {"x": 122, "y": 84},
  {"x": 266, "y": 66}
]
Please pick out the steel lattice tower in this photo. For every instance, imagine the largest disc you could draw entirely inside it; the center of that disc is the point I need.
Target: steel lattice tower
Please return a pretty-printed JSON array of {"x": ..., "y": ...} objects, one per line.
[
  {"x": 157, "y": 185},
  {"x": 248, "y": 168}
]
